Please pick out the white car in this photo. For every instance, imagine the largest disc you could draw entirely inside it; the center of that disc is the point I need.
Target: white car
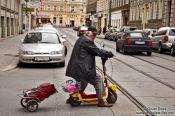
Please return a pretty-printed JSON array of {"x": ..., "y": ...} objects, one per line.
[
  {"x": 163, "y": 39},
  {"x": 41, "y": 46}
]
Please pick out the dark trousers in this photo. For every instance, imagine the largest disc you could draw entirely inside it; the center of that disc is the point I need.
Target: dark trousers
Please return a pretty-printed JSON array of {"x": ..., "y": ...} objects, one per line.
[{"x": 98, "y": 85}]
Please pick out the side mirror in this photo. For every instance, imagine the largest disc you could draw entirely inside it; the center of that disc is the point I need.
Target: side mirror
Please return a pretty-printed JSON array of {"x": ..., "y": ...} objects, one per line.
[
  {"x": 64, "y": 36},
  {"x": 22, "y": 40}
]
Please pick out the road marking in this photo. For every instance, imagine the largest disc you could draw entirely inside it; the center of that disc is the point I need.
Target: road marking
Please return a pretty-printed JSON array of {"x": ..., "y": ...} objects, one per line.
[{"x": 11, "y": 66}]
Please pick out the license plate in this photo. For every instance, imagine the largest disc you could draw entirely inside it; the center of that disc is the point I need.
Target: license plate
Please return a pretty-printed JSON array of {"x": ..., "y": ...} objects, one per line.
[
  {"x": 139, "y": 42},
  {"x": 41, "y": 58}
]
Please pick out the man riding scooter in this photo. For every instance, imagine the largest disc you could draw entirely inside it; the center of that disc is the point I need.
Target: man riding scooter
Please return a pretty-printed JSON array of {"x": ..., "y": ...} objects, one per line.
[{"x": 82, "y": 67}]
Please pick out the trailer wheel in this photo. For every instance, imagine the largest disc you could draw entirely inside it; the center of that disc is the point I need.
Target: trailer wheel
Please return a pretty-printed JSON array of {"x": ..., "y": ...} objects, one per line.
[
  {"x": 23, "y": 102},
  {"x": 32, "y": 106}
]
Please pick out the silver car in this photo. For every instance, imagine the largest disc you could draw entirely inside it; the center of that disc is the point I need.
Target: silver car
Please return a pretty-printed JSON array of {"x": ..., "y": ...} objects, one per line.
[
  {"x": 42, "y": 47},
  {"x": 164, "y": 39}
]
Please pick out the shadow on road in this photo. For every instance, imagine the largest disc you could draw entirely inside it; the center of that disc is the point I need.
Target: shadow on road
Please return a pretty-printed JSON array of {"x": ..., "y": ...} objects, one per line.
[{"x": 39, "y": 66}]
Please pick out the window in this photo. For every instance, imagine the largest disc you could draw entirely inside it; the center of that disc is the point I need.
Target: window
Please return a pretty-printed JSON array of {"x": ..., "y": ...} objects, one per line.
[
  {"x": 163, "y": 32},
  {"x": 172, "y": 32},
  {"x": 72, "y": 8},
  {"x": 41, "y": 38},
  {"x": 55, "y": 8},
  {"x": 48, "y": 7},
  {"x": 61, "y": 9},
  {"x": 137, "y": 35},
  {"x": 54, "y": 20},
  {"x": 61, "y": 20}
]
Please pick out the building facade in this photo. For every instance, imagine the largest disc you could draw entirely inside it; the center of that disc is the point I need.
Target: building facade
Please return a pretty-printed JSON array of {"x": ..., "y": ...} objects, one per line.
[
  {"x": 120, "y": 13},
  {"x": 146, "y": 13},
  {"x": 168, "y": 18},
  {"x": 91, "y": 18},
  {"x": 63, "y": 12},
  {"x": 11, "y": 17},
  {"x": 102, "y": 14}
]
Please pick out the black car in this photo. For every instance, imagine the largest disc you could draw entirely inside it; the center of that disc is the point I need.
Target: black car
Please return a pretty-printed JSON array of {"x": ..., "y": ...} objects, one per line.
[
  {"x": 172, "y": 52},
  {"x": 135, "y": 41}
]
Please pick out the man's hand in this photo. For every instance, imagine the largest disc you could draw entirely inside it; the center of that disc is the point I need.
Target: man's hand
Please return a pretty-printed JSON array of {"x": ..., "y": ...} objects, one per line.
[{"x": 110, "y": 54}]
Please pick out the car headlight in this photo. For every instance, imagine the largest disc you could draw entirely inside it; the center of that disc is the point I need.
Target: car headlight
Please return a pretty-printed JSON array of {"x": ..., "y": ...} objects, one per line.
[
  {"x": 55, "y": 52},
  {"x": 27, "y": 52}
]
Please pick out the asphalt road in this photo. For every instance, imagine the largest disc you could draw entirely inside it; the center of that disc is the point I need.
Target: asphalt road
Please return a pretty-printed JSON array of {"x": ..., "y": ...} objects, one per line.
[
  {"x": 150, "y": 79},
  {"x": 133, "y": 72},
  {"x": 13, "y": 78}
]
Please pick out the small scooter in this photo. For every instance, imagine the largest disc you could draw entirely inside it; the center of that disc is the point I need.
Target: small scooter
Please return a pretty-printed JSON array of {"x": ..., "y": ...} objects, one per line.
[{"x": 76, "y": 98}]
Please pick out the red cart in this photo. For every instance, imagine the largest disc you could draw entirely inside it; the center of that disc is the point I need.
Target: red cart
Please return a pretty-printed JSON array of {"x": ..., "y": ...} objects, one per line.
[{"x": 31, "y": 97}]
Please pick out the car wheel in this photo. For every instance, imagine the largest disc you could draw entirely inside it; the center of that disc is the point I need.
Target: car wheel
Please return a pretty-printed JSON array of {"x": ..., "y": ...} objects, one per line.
[
  {"x": 160, "y": 49},
  {"x": 172, "y": 52},
  {"x": 62, "y": 64},
  {"x": 65, "y": 50},
  {"x": 117, "y": 49},
  {"x": 149, "y": 53},
  {"x": 124, "y": 51}
]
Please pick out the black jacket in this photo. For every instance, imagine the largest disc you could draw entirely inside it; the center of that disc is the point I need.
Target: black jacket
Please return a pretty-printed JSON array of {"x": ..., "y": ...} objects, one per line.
[{"x": 81, "y": 65}]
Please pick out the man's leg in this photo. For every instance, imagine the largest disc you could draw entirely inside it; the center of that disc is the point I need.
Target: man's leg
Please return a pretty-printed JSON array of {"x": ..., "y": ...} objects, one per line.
[
  {"x": 100, "y": 90},
  {"x": 82, "y": 85}
]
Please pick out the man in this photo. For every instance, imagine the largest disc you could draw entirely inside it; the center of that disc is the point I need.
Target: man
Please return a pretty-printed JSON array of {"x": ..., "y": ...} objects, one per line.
[{"x": 82, "y": 67}]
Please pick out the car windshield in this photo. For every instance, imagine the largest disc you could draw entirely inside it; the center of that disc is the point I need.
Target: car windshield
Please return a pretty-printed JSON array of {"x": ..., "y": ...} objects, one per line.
[
  {"x": 41, "y": 38},
  {"x": 137, "y": 35},
  {"x": 172, "y": 32}
]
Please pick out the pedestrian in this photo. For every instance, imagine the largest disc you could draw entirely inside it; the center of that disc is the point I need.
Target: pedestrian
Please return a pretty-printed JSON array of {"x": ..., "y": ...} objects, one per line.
[{"x": 82, "y": 67}]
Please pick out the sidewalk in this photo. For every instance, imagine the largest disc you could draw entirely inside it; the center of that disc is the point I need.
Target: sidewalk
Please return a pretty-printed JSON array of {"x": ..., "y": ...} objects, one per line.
[{"x": 9, "y": 52}]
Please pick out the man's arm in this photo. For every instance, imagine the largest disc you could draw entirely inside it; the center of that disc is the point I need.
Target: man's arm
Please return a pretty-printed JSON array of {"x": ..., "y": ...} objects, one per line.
[{"x": 93, "y": 49}]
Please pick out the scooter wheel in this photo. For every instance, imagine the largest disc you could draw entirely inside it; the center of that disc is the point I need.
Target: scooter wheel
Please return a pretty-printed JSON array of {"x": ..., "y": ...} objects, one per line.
[
  {"x": 74, "y": 101},
  {"x": 112, "y": 97},
  {"x": 32, "y": 106},
  {"x": 23, "y": 102}
]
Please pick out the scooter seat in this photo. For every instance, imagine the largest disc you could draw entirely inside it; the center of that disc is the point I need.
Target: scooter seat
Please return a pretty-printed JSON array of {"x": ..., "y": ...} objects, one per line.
[{"x": 88, "y": 95}]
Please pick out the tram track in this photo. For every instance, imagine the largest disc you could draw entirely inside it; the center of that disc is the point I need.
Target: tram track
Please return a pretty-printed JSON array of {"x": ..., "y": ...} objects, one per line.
[
  {"x": 133, "y": 99},
  {"x": 144, "y": 73}
]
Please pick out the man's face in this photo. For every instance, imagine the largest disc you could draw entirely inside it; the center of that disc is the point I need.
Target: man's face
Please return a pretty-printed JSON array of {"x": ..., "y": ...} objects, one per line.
[{"x": 91, "y": 35}]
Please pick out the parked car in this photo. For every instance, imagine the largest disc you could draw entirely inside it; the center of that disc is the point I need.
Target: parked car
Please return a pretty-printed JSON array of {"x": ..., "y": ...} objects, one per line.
[
  {"x": 82, "y": 30},
  {"x": 163, "y": 39},
  {"x": 113, "y": 35},
  {"x": 172, "y": 52},
  {"x": 76, "y": 28},
  {"x": 134, "y": 42},
  {"x": 150, "y": 32},
  {"x": 109, "y": 32},
  {"x": 41, "y": 46}
]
